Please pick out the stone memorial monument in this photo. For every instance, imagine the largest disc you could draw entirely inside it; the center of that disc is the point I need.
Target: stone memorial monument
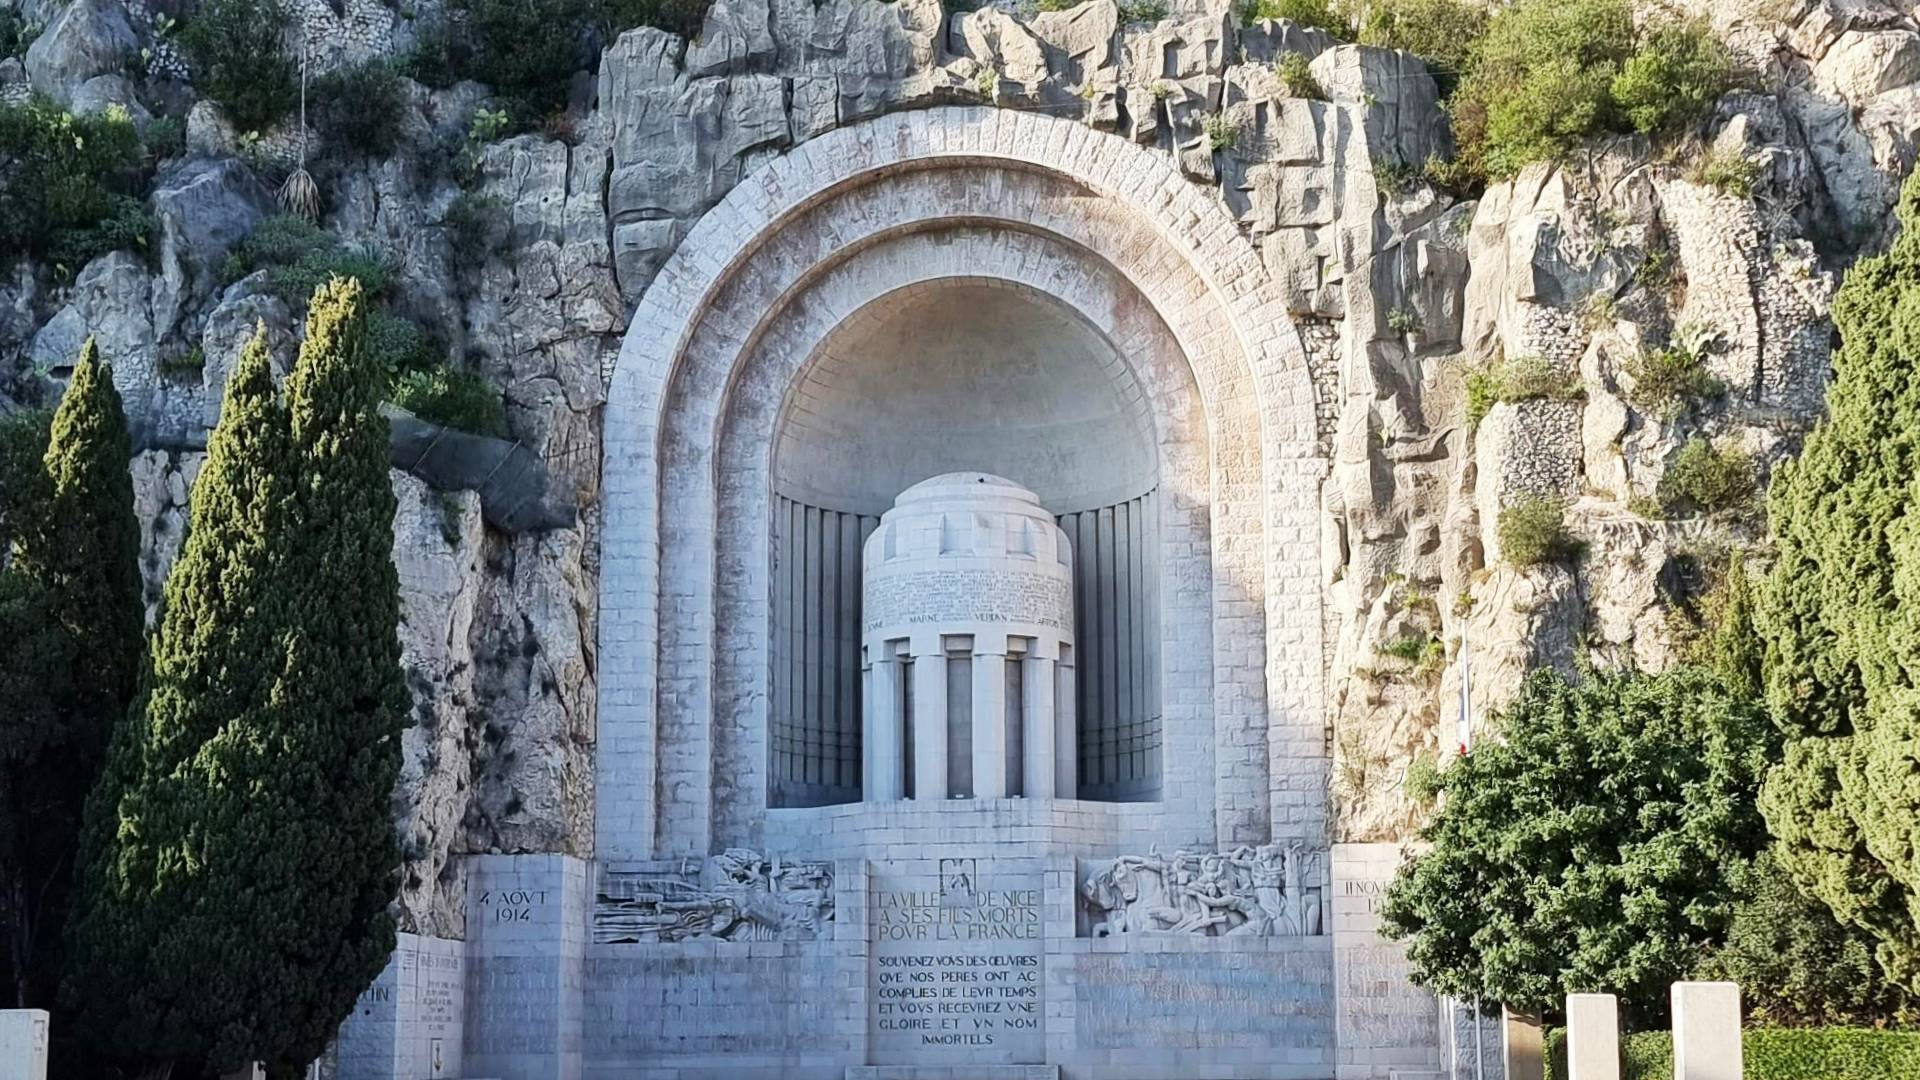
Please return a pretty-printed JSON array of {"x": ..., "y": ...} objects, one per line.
[{"x": 960, "y": 660}]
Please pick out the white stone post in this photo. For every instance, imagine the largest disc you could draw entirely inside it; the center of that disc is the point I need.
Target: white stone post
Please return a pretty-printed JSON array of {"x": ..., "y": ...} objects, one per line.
[
  {"x": 1593, "y": 1037},
  {"x": 1520, "y": 1038},
  {"x": 23, "y": 1044},
  {"x": 1706, "y": 1031}
]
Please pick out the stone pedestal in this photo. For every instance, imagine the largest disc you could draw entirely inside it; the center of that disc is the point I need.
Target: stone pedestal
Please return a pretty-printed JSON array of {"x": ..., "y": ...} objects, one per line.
[
  {"x": 23, "y": 1044},
  {"x": 1386, "y": 1028},
  {"x": 411, "y": 1023},
  {"x": 1706, "y": 1031},
  {"x": 1593, "y": 1037},
  {"x": 527, "y": 927}
]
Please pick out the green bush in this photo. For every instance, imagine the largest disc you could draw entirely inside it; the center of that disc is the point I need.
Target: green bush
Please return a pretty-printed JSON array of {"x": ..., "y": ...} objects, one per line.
[
  {"x": 1797, "y": 966},
  {"x": 683, "y": 17},
  {"x": 166, "y": 137},
  {"x": 1774, "y": 1054},
  {"x": 453, "y": 398},
  {"x": 527, "y": 51},
  {"x": 1534, "y": 531},
  {"x": 1550, "y": 73},
  {"x": 1731, "y": 172},
  {"x": 1442, "y": 32},
  {"x": 1667, "y": 382},
  {"x": 16, "y": 33},
  {"x": 1314, "y": 14},
  {"x": 436, "y": 56},
  {"x": 1523, "y": 378},
  {"x": 65, "y": 182},
  {"x": 1143, "y": 11},
  {"x": 1296, "y": 74},
  {"x": 476, "y": 227},
  {"x": 126, "y": 226},
  {"x": 399, "y": 345},
  {"x": 361, "y": 107},
  {"x": 239, "y": 59},
  {"x": 1705, "y": 478},
  {"x": 1586, "y": 848},
  {"x": 1680, "y": 70},
  {"x": 301, "y": 256}
]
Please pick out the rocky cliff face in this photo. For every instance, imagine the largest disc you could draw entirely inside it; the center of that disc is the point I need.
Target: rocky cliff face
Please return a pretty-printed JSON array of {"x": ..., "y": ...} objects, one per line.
[{"x": 1579, "y": 277}]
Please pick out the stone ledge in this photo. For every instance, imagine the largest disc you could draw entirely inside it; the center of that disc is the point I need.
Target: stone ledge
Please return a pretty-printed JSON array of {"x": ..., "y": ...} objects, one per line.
[{"x": 953, "y": 1073}]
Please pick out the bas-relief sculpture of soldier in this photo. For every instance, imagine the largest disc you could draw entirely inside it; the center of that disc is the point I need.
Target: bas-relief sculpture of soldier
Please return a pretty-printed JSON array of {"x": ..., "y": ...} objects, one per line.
[
  {"x": 737, "y": 895},
  {"x": 1252, "y": 891}
]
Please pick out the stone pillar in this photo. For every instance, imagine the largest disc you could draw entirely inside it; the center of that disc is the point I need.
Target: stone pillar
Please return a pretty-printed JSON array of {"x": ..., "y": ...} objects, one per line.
[
  {"x": 990, "y": 717},
  {"x": 881, "y": 754},
  {"x": 23, "y": 1044},
  {"x": 929, "y": 718},
  {"x": 970, "y": 565},
  {"x": 1042, "y": 778},
  {"x": 1593, "y": 1037},
  {"x": 1706, "y": 1031},
  {"x": 1520, "y": 1037},
  {"x": 1066, "y": 729}
]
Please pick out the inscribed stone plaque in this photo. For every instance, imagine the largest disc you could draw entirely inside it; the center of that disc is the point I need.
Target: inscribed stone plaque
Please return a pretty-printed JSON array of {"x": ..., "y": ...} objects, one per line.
[
  {"x": 955, "y": 971},
  {"x": 1385, "y": 1025}
]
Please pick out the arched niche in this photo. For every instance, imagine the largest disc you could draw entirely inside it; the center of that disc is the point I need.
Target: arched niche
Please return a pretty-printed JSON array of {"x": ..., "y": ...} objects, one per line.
[{"x": 1100, "y": 227}]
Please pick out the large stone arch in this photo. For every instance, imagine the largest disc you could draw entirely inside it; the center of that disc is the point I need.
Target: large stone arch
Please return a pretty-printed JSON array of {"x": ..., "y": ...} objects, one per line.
[{"x": 761, "y": 255}]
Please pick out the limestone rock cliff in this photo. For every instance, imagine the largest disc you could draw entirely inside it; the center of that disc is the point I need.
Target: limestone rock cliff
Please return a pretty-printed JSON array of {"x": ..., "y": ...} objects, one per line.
[{"x": 1400, "y": 293}]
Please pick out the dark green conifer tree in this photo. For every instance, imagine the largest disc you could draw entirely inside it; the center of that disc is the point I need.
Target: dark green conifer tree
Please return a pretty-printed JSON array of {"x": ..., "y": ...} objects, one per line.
[
  {"x": 1840, "y": 618},
  {"x": 71, "y": 619},
  {"x": 242, "y": 854}
]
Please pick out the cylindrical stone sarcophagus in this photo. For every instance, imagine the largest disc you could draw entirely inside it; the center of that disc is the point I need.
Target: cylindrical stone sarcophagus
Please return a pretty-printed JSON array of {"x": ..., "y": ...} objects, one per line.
[{"x": 967, "y": 642}]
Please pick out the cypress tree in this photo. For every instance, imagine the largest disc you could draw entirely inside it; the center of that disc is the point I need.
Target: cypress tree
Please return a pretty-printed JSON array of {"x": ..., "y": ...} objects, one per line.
[
  {"x": 150, "y": 943},
  {"x": 242, "y": 854},
  {"x": 343, "y": 687},
  {"x": 1839, "y": 616},
  {"x": 71, "y": 613}
]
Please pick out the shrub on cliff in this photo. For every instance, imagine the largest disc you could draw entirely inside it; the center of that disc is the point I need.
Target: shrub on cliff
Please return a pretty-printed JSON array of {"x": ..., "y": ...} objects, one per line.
[
  {"x": 65, "y": 182},
  {"x": 1441, "y": 32},
  {"x": 239, "y": 59},
  {"x": 453, "y": 398},
  {"x": 71, "y": 617},
  {"x": 240, "y": 854},
  {"x": 1589, "y": 847},
  {"x": 1550, "y": 73},
  {"x": 1840, "y": 618}
]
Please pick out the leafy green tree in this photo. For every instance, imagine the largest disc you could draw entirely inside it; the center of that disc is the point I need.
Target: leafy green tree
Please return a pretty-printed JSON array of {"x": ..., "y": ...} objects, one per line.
[
  {"x": 344, "y": 686},
  {"x": 240, "y": 853},
  {"x": 1589, "y": 848},
  {"x": 1840, "y": 618},
  {"x": 71, "y": 614}
]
